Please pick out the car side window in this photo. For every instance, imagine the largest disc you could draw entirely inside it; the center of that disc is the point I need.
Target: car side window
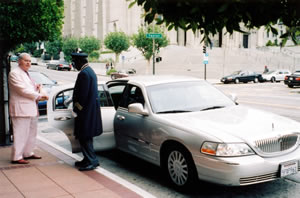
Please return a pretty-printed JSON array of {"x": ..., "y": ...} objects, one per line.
[
  {"x": 104, "y": 96},
  {"x": 116, "y": 92},
  {"x": 132, "y": 94},
  {"x": 63, "y": 100}
]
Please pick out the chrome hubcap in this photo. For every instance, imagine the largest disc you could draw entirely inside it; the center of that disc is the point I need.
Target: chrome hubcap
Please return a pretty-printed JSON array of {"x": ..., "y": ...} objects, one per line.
[{"x": 178, "y": 168}]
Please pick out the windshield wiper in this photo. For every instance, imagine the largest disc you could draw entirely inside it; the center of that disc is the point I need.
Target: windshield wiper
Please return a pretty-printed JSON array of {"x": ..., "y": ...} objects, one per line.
[
  {"x": 213, "y": 107},
  {"x": 173, "y": 111}
]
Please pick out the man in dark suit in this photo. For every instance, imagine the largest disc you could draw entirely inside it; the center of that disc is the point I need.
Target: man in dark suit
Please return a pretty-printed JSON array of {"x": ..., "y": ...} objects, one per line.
[{"x": 86, "y": 105}]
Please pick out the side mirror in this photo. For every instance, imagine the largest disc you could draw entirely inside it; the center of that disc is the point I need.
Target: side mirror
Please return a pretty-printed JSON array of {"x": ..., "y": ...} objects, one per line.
[{"x": 137, "y": 108}]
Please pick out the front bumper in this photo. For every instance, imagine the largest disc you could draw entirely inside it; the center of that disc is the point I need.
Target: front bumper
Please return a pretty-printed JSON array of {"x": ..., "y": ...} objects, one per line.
[{"x": 246, "y": 170}]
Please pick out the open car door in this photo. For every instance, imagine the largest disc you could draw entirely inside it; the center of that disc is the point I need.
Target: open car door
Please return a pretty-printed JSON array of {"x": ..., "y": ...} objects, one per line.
[{"x": 59, "y": 111}]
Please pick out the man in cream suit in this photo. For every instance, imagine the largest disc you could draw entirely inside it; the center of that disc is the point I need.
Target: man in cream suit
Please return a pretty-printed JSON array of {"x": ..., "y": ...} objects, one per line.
[{"x": 23, "y": 109}]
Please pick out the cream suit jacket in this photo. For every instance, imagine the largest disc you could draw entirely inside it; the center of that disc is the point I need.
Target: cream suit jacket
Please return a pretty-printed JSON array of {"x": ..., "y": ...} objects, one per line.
[{"x": 23, "y": 94}]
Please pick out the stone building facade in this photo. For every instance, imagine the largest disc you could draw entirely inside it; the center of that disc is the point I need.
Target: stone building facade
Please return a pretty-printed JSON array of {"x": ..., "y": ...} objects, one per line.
[{"x": 99, "y": 17}]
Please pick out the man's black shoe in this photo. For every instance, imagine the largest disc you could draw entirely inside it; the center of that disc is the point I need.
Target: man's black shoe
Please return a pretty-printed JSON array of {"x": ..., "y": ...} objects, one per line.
[
  {"x": 88, "y": 167},
  {"x": 81, "y": 163}
]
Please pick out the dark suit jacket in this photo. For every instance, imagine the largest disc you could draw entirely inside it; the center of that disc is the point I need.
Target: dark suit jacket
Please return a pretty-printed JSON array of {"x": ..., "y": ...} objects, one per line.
[{"x": 86, "y": 104}]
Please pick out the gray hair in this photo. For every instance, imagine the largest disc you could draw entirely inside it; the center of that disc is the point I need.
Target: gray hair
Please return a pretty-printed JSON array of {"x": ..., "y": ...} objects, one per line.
[{"x": 21, "y": 56}]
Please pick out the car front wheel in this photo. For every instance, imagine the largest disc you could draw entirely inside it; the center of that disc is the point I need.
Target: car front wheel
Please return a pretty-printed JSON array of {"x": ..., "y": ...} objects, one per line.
[
  {"x": 180, "y": 168},
  {"x": 290, "y": 86},
  {"x": 255, "y": 80},
  {"x": 273, "y": 79},
  {"x": 236, "y": 81}
]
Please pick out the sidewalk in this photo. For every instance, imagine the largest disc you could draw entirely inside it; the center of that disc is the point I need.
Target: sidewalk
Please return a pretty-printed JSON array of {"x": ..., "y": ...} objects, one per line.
[{"x": 55, "y": 176}]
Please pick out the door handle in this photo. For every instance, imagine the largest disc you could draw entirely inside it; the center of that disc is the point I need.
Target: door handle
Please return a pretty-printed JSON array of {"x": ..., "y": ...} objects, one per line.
[
  {"x": 62, "y": 118},
  {"x": 120, "y": 117}
]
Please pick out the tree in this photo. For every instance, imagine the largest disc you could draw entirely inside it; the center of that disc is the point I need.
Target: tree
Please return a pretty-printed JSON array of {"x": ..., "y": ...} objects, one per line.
[
  {"x": 117, "y": 42},
  {"x": 24, "y": 21},
  {"x": 89, "y": 44},
  {"x": 145, "y": 45},
  {"x": 30, "y": 47},
  {"x": 70, "y": 44},
  {"x": 53, "y": 48},
  {"x": 214, "y": 15}
]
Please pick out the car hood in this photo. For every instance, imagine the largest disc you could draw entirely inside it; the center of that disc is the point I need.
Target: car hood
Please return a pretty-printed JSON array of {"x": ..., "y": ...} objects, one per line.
[{"x": 233, "y": 124}]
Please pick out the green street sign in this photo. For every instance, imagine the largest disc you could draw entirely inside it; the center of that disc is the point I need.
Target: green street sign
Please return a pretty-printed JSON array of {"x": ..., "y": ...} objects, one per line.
[{"x": 154, "y": 35}]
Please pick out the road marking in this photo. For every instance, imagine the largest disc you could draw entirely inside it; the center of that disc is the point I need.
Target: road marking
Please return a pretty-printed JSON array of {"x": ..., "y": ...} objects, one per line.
[{"x": 272, "y": 105}]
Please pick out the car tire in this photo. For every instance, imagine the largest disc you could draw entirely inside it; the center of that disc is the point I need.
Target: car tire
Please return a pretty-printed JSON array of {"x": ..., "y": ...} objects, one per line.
[
  {"x": 236, "y": 81},
  {"x": 57, "y": 68},
  {"x": 255, "y": 80},
  {"x": 290, "y": 86},
  {"x": 273, "y": 79},
  {"x": 179, "y": 167}
]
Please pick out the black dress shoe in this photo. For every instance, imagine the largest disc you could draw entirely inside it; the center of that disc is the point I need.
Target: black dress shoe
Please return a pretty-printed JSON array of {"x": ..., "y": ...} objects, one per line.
[
  {"x": 81, "y": 163},
  {"x": 88, "y": 167}
]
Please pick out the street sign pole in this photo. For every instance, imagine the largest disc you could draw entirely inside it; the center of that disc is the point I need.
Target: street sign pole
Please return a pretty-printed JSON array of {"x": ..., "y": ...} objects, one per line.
[
  {"x": 153, "y": 51},
  {"x": 153, "y": 36},
  {"x": 204, "y": 71},
  {"x": 205, "y": 61}
]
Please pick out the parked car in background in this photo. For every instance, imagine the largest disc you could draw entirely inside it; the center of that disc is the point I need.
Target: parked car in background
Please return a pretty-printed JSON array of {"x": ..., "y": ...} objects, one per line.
[
  {"x": 276, "y": 75},
  {"x": 122, "y": 73},
  {"x": 293, "y": 79},
  {"x": 59, "y": 65},
  {"x": 14, "y": 58},
  {"x": 190, "y": 129},
  {"x": 47, "y": 84},
  {"x": 242, "y": 76},
  {"x": 33, "y": 61}
]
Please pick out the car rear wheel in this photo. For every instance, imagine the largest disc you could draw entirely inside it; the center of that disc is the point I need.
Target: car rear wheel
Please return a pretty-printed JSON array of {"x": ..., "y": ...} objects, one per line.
[
  {"x": 255, "y": 80},
  {"x": 236, "y": 81},
  {"x": 273, "y": 79},
  {"x": 179, "y": 167},
  {"x": 290, "y": 86}
]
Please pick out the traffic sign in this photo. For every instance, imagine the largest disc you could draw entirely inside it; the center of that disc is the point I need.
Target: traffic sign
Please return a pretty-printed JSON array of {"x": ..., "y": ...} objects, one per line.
[
  {"x": 154, "y": 35},
  {"x": 205, "y": 58}
]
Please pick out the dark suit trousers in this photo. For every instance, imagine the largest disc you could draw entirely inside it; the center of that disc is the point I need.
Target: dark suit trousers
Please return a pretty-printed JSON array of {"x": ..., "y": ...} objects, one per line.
[{"x": 88, "y": 151}]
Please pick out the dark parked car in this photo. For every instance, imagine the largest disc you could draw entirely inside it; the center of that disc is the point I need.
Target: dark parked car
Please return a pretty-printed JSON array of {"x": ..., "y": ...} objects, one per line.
[
  {"x": 47, "y": 83},
  {"x": 293, "y": 79},
  {"x": 59, "y": 65},
  {"x": 242, "y": 76}
]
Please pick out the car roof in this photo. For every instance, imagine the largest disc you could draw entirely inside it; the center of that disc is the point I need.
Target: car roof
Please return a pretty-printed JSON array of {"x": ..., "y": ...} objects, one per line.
[{"x": 148, "y": 80}]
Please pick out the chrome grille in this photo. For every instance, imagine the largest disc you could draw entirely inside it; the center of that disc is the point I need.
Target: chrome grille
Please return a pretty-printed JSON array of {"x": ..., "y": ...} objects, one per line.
[
  {"x": 258, "y": 179},
  {"x": 262, "y": 178},
  {"x": 276, "y": 144}
]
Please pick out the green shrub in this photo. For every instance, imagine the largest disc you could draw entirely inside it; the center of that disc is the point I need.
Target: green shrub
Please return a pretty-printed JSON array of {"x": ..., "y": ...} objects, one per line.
[{"x": 111, "y": 71}]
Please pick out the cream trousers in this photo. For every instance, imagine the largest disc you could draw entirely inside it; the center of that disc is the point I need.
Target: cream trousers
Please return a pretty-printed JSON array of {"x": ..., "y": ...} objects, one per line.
[{"x": 25, "y": 132}]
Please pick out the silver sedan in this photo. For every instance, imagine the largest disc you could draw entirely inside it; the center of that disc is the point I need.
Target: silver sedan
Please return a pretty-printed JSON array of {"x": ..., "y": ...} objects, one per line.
[{"x": 193, "y": 131}]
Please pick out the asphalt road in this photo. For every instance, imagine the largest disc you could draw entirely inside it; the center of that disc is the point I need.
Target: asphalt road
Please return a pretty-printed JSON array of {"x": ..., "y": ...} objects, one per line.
[{"x": 274, "y": 97}]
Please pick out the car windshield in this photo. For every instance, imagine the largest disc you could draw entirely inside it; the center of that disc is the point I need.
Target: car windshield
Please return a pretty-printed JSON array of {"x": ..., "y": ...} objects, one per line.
[
  {"x": 186, "y": 97},
  {"x": 236, "y": 72},
  {"x": 270, "y": 72},
  {"x": 41, "y": 78}
]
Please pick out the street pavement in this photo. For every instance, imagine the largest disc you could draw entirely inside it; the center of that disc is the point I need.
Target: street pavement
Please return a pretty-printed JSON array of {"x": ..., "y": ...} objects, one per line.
[{"x": 55, "y": 176}]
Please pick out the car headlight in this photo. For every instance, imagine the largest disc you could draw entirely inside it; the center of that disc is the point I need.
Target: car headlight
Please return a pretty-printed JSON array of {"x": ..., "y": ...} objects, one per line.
[{"x": 226, "y": 150}]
